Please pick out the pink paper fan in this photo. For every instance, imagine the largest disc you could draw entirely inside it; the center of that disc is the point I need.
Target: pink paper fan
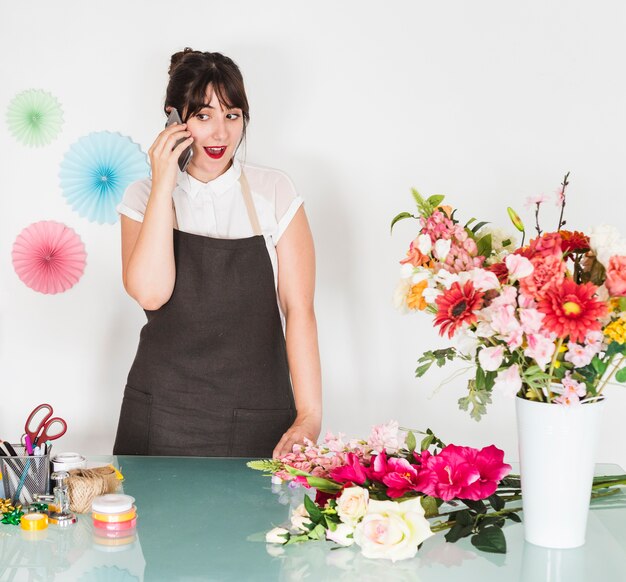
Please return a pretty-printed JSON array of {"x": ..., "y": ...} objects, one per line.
[{"x": 49, "y": 257}]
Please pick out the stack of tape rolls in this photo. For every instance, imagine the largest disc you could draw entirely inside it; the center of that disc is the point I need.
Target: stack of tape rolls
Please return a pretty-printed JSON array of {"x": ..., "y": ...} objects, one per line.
[{"x": 114, "y": 520}]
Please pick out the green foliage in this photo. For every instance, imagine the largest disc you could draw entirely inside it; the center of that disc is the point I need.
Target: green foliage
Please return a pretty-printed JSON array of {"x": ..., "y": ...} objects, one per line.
[
  {"x": 268, "y": 466},
  {"x": 490, "y": 539},
  {"x": 400, "y": 217},
  {"x": 441, "y": 357},
  {"x": 479, "y": 397},
  {"x": 411, "y": 443},
  {"x": 484, "y": 245},
  {"x": 426, "y": 206},
  {"x": 620, "y": 376}
]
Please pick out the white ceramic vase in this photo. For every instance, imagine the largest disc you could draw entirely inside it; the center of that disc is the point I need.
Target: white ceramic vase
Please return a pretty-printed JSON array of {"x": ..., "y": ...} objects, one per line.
[{"x": 557, "y": 446}]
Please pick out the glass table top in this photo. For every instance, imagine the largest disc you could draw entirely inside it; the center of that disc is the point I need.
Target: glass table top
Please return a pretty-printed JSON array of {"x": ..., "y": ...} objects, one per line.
[{"x": 205, "y": 519}]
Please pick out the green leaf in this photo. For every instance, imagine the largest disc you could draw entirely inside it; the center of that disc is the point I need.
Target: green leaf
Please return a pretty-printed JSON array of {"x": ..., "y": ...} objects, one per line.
[
  {"x": 514, "y": 517},
  {"x": 484, "y": 246},
  {"x": 297, "y": 539},
  {"x": 317, "y": 533},
  {"x": 435, "y": 200},
  {"x": 426, "y": 442},
  {"x": 496, "y": 502},
  {"x": 477, "y": 506},
  {"x": 477, "y": 400},
  {"x": 615, "y": 347},
  {"x": 478, "y": 226},
  {"x": 488, "y": 521},
  {"x": 598, "y": 365},
  {"x": 491, "y": 539},
  {"x": 400, "y": 217},
  {"x": 323, "y": 484},
  {"x": 411, "y": 443},
  {"x": 457, "y": 532},
  {"x": 267, "y": 465},
  {"x": 507, "y": 242},
  {"x": 622, "y": 303},
  {"x": 312, "y": 509},
  {"x": 297, "y": 472},
  {"x": 621, "y": 375},
  {"x": 463, "y": 517},
  {"x": 430, "y": 505}
]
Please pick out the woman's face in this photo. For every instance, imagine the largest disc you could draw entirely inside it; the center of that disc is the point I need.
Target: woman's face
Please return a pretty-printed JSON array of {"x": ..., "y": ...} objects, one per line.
[{"x": 217, "y": 133}]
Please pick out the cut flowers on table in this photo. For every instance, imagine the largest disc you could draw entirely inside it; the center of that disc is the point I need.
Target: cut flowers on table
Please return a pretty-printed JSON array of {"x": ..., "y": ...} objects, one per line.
[
  {"x": 388, "y": 494},
  {"x": 545, "y": 321}
]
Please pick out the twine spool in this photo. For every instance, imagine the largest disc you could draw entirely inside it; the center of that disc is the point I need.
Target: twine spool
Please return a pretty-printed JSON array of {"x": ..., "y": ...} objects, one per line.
[{"x": 84, "y": 485}]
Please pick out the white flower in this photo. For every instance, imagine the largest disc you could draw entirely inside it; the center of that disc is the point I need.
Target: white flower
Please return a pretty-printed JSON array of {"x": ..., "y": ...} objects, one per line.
[
  {"x": 392, "y": 529},
  {"x": 420, "y": 274},
  {"x": 352, "y": 505},
  {"x": 430, "y": 294},
  {"x": 466, "y": 342},
  {"x": 400, "y": 294},
  {"x": 406, "y": 271},
  {"x": 300, "y": 518},
  {"x": 276, "y": 535},
  {"x": 424, "y": 244},
  {"x": 509, "y": 381},
  {"x": 343, "y": 535},
  {"x": 605, "y": 241},
  {"x": 442, "y": 248},
  {"x": 446, "y": 278},
  {"x": 482, "y": 279},
  {"x": 491, "y": 358}
]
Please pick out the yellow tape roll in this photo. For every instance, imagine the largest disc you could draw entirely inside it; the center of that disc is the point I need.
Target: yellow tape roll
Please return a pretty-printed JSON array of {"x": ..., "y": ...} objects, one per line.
[
  {"x": 34, "y": 521},
  {"x": 115, "y": 517}
]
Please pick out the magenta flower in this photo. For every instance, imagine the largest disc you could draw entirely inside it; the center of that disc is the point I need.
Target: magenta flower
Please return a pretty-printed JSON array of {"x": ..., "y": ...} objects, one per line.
[
  {"x": 352, "y": 471},
  {"x": 447, "y": 474},
  {"x": 401, "y": 477},
  {"x": 491, "y": 470}
]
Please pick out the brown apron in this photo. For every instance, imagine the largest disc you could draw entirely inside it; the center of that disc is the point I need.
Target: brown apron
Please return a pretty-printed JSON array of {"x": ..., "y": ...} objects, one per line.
[{"x": 210, "y": 377}]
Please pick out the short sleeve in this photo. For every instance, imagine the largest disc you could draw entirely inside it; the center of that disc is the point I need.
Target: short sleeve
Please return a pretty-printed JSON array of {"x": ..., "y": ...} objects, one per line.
[
  {"x": 287, "y": 202},
  {"x": 135, "y": 200}
]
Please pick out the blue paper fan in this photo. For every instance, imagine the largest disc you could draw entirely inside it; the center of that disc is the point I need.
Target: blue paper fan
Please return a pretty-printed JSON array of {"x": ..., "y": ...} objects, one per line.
[{"x": 95, "y": 172}]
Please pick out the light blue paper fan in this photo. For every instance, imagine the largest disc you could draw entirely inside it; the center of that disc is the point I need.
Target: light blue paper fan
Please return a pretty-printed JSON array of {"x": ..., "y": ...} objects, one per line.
[{"x": 95, "y": 172}]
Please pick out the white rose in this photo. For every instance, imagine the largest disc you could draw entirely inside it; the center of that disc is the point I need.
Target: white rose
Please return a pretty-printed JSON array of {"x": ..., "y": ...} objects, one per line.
[
  {"x": 352, "y": 504},
  {"x": 276, "y": 536},
  {"x": 442, "y": 248},
  {"x": 605, "y": 241},
  {"x": 340, "y": 535},
  {"x": 392, "y": 529},
  {"x": 300, "y": 518}
]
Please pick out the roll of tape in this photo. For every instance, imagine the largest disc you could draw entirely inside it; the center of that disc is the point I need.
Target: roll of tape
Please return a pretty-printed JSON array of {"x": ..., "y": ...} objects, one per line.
[
  {"x": 112, "y": 503},
  {"x": 115, "y": 525},
  {"x": 34, "y": 521},
  {"x": 115, "y": 517},
  {"x": 67, "y": 461}
]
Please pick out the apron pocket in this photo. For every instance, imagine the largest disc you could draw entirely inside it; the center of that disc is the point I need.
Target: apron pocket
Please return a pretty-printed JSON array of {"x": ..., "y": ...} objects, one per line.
[
  {"x": 257, "y": 432},
  {"x": 133, "y": 430}
]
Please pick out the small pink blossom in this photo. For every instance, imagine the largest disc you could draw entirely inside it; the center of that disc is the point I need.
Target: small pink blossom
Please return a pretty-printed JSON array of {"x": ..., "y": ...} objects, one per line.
[
  {"x": 616, "y": 276},
  {"x": 509, "y": 381},
  {"x": 384, "y": 436},
  {"x": 579, "y": 355},
  {"x": 518, "y": 266},
  {"x": 530, "y": 320},
  {"x": 514, "y": 339},
  {"x": 335, "y": 443},
  {"x": 508, "y": 296},
  {"x": 595, "y": 339},
  {"x": 491, "y": 358},
  {"x": 482, "y": 279},
  {"x": 540, "y": 349},
  {"x": 534, "y": 200},
  {"x": 571, "y": 386},
  {"x": 567, "y": 399},
  {"x": 503, "y": 320}
]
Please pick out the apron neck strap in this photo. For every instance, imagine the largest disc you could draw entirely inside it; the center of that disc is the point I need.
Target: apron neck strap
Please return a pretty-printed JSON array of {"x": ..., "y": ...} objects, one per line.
[{"x": 247, "y": 198}]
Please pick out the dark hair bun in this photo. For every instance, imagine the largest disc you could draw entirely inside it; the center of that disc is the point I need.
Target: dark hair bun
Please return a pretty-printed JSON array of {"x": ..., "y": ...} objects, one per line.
[{"x": 178, "y": 57}]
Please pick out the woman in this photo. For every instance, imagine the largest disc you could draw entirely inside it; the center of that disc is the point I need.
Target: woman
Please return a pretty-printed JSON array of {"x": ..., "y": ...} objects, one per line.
[{"x": 221, "y": 259}]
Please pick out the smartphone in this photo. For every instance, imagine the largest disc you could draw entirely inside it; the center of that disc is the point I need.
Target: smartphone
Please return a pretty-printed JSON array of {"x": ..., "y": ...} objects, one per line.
[{"x": 185, "y": 157}]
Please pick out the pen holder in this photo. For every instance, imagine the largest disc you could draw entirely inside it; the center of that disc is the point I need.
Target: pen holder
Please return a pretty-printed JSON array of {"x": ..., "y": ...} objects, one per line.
[{"x": 25, "y": 475}]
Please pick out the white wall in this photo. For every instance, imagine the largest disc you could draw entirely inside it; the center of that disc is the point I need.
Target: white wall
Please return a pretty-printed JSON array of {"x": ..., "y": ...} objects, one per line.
[{"x": 486, "y": 101}]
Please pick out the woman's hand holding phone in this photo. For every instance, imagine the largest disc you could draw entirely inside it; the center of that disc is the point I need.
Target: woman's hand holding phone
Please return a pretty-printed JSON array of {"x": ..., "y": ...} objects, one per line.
[{"x": 164, "y": 154}]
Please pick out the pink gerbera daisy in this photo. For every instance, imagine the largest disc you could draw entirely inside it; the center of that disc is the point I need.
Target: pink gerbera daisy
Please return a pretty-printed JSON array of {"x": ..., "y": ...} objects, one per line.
[
  {"x": 572, "y": 310},
  {"x": 456, "y": 306}
]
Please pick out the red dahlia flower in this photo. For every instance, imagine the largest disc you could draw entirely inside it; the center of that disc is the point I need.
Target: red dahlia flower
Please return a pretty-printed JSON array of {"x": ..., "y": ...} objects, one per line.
[
  {"x": 574, "y": 241},
  {"x": 457, "y": 306},
  {"x": 572, "y": 310}
]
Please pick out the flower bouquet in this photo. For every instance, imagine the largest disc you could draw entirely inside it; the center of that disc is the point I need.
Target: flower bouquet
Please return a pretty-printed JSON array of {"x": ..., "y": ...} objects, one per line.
[
  {"x": 381, "y": 492},
  {"x": 543, "y": 321},
  {"x": 389, "y": 493}
]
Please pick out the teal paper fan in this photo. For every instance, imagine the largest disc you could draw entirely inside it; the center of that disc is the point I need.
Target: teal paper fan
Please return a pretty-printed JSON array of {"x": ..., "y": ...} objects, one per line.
[
  {"x": 34, "y": 117},
  {"x": 95, "y": 172}
]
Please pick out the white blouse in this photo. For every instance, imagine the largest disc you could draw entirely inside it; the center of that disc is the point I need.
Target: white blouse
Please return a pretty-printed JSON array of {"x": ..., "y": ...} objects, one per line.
[{"x": 217, "y": 208}]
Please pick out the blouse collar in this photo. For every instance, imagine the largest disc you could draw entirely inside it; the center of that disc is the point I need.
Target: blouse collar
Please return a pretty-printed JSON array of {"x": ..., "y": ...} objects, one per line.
[{"x": 192, "y": 186}]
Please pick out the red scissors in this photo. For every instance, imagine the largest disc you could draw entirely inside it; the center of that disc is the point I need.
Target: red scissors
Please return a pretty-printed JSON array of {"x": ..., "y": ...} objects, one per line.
[{"x": 46, "y": 429}]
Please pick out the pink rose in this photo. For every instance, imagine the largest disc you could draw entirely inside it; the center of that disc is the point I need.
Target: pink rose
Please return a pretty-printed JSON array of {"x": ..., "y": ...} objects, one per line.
[{"x": 616, "y": 276}]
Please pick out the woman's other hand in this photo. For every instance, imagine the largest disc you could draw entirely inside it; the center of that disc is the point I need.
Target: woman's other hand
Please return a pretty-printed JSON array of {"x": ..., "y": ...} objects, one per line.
[
  {"x": 164, "y": 156},
  {"x": 303, "y": 427}
]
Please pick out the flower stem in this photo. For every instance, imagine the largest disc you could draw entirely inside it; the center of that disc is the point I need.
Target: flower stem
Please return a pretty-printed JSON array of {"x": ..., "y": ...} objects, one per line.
[
  {"x": 559, "y": 343},
  {"x": 608, "y": 378},
  {"x": 564, "y": 185}
]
